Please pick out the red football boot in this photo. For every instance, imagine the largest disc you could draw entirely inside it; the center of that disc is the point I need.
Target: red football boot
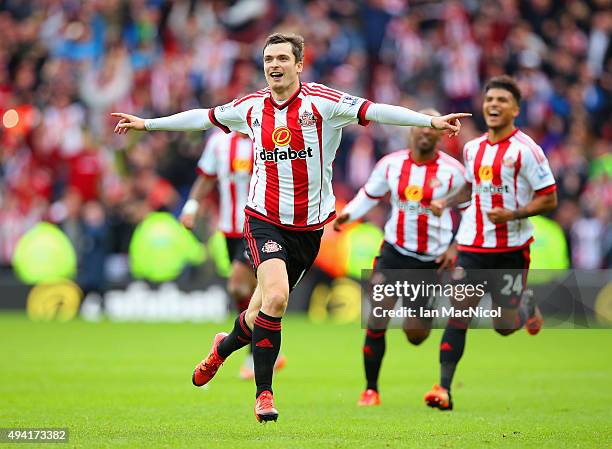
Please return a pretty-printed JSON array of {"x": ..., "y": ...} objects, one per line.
[
  {"x": 439, "y": 397},
  {"x": 535, "y": 321},
  {"x": 207, "y": 368},
  {"x": 369, "y": 398},
  {"x": 264, "y": 408}
]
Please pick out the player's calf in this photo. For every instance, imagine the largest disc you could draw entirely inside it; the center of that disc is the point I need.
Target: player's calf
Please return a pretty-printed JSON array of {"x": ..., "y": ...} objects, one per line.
[
  {"x": 417, "y": 330},
  {"x": 266, "y": 347},
  {"x": 510, "y": 320},
  {"x": 416, "y": 336},
  {"x": 527, "y": 314},
  {"x": 374, "y": 348}
]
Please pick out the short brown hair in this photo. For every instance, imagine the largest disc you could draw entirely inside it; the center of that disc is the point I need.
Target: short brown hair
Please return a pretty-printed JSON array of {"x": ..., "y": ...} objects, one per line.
[
  {"x": 505, "y": 82},
  {"x": 296, "y": 41}
]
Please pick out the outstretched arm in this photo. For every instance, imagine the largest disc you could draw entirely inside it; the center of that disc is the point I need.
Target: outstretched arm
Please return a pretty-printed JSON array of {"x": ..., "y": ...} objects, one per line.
[
  {"x": 192, "y": 120},
  {"x": 396, "y": 115}
]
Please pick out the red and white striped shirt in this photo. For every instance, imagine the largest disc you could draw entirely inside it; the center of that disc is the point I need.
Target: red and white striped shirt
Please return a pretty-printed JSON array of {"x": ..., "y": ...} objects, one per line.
[
  {"x": 412, "y": 229},
  {"x": 503, "y": 174},
  {"x": 229, "y": 158},
  {"x": 295, "y": 144}
]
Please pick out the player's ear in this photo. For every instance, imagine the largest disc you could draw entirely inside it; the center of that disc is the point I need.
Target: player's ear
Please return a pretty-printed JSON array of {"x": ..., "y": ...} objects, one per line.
[{"x": 300, "y": 66}]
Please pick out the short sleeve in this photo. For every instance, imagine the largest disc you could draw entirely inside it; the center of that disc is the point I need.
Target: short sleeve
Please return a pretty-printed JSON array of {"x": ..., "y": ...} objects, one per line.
[
  {"x": 536, "y": 169},
  {"x": 340, "y": 109},
  {"x": 230, "y": 117},
  {"x": 208, "y": 162}
]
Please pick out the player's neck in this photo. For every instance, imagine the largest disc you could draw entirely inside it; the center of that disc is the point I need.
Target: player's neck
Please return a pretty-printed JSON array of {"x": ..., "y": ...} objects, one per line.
[
  {"x": 422, "y": 158},
  {"x": 499, "y": 134},
  {"x": 280, "y": 96}
]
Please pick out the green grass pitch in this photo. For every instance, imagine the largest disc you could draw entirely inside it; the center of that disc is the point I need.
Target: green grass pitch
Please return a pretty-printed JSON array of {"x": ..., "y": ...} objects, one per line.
[{"x": 129, "y": 386}]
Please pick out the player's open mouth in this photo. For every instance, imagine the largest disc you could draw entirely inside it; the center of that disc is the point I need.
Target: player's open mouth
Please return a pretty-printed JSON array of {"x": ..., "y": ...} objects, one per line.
[
  {"x": 276, "y": 75},
  {"x": 493, "y": 113}
]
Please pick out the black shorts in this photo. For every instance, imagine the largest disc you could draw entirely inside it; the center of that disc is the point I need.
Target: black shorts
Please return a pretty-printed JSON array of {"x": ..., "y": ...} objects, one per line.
[
  {"x": 265, "y": 241},
  {"x": 391, "y": 259},
  {"x": 236, "y": 250},
  {"x": 505, "y": 273}
]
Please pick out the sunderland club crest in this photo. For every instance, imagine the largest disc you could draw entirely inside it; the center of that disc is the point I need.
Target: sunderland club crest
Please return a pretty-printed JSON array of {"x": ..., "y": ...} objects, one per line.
[
  {"x": 307, "y": 119},
  {"x": 271, "y": 247}
]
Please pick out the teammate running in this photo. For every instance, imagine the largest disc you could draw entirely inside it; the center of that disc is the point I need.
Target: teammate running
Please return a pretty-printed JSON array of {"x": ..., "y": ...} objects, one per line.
[
  {"x": 414, "y": 238},
  {"x": 509, "y": 180},
  {"x": 296, "y": 129}
]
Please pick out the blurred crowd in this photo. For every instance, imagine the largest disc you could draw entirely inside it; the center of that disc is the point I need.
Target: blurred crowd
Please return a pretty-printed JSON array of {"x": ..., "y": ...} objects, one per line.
[{"x": 66, "y": 64}]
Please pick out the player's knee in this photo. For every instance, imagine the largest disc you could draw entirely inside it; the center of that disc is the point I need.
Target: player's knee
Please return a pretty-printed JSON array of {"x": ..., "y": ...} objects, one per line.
[
  {"x": 504, "y": 331},
  {"x": 275, "y": 301}
]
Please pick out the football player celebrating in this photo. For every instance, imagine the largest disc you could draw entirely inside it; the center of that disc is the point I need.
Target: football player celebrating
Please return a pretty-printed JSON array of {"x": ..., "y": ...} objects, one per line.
[
  {"x": 296, "y": 129},
  {"x": 509, "y": 180},
  {"x": 415, "y": 239}
]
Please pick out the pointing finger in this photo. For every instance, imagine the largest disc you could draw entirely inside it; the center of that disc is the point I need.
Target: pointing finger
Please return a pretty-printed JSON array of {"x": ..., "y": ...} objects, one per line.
[{"x": 459, "y": 115}]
